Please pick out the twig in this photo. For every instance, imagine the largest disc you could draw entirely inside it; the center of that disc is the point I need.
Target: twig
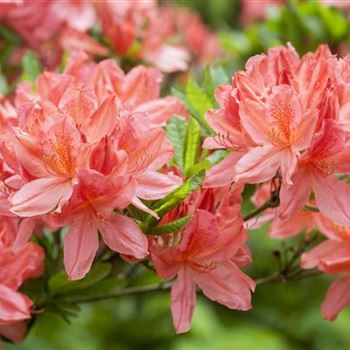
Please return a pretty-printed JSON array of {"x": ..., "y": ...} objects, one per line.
[
  {"x": 126, "y": 291},
  {"x": 272, "y": 202}
]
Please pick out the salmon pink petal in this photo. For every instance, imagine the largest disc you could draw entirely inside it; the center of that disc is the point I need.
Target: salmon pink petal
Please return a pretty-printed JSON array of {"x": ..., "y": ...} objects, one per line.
[
  {"x": 141, "y": 85},
  {"x": 124, "y": 236},
  {"x": 338, "y": 297},
  {"x": 14, "y": 331},
  {"x": 80, "y": 247},
  {"x": 14, "y": 306},
  {"x": 332, "y": 198},
  {"x": 78, "y": 104},
  {"x": 103, "y": 121},
  {"x": 168, "y": 59},
  {"x": 312, "y": 258},
  {"x": 253, "y": 121},
  {"x": 259, "y": 164},
  {"x": 51, "y": 86},
  {"x": 153, "y": 185},
  {"x": 282, "y": 229},
  {"x": 223, "y": 174},
  {"x": 159, "y": 111},
  {"x": 24, "y": 233},
  {"x": 140, "y": 205},
  {"x": 227, "y": 285},
  {"x": 41, "y": 196},
  {"x": 183, "y": 301},
  {"x": 289, "y": 163},
  {"x": 294, "y": 197}
]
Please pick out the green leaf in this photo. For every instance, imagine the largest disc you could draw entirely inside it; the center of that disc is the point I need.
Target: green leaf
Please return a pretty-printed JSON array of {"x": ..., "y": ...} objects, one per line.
[
  {"x": 208, "y": 162},
  {"x": 176, "y": 132},
  {"x": 31, "y": 67},
  {"x": 331, "y": 16},
  {"x": 174, "y": 198},
  {"x": 3, "y": 85},
  {"x": 198, "y": 103},
  {"x": 105, "y": 287},
  {"x": 59, "y": 283},
  {"x": 213, "y": 77},
  {"x": 217, "y": 156},
  {"x": 172, "y": 227},
  {"x": 192, "y": 144}
]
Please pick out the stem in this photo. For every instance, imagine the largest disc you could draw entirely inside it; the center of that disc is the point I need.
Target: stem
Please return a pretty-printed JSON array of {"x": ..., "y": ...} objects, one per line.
[
  {"x": 258, "y": 210},
  {"x": 126, "y": 291},
  {"x": 272, "y": 202}
]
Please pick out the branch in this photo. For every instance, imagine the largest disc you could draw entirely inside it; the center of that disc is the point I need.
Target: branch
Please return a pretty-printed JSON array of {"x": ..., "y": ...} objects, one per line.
[
  {"x": 122, "y": 292},
  {"x": 272, "y": 202},
  {"x": 291, "y": 269}
]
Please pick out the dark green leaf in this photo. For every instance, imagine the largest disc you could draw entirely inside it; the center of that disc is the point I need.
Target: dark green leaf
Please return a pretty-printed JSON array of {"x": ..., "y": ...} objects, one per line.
[{"x": 59, "y": 283}]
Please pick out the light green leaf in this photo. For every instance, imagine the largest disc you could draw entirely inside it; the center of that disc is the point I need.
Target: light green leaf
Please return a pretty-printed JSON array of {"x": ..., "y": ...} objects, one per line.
[
  {"x": 172, "y": 227},
  {"x": 192, "y": 144},
  {"x": 176, "y": 132},
  {"x": 31, "y": 67},
  {"x": 174, "y": 198},
  {"x": 208, "y": 162},
  {"x": 198, "y": 103}
]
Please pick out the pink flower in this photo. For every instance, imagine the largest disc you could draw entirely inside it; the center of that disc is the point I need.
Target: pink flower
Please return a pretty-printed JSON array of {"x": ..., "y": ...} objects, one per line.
[
  {"x": 316, "y": 171},
  {"x": 253, "y": 10},
  {"x": 206, "y": 253},
  {"x": 270, "y": 115},
  {"x": 16, "y": 266},
  {"x": 332, "y": 256},
  {"x": 49, "y": 27},
  {"x": 51, "y": 158},
  {"x": 87, "y": 144},
  {"x": 91, "y": 209},
  {"x": 172, "y": 38}
]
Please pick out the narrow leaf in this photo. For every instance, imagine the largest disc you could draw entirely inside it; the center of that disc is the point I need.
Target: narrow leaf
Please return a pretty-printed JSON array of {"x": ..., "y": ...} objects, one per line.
[
  {"x": 31, "y": 67},
  {"x": 59, "y": 283},
  {"x": 172, "y": 227},
  {"x": 176, "y": 132},
  {"x": 174, "y": 198},
  {"x": 191, "y": 144}
]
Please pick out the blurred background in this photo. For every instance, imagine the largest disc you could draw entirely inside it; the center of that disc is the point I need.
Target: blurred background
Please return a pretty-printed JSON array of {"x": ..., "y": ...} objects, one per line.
[{"x": 285, "y": 316}]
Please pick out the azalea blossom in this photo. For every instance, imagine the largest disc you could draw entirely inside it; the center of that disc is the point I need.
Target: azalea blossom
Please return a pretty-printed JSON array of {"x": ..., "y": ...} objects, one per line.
[
  {"x": 207, "y": 253},
  {"x": 87, "y": 143},
  {"x": 332, "y": 256},
  {"x": 16, "y": 266},
  {"x": 50, "y": 27}
]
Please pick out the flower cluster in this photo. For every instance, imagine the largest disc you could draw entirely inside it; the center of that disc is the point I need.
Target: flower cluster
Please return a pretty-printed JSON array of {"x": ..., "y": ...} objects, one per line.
[
  {"x": 207, "y": 253},
  {"x": 16, "y": 266},
  {"x": 165, "y": 36},
  {"x": 96, "y": 158},
  {"x": 286, "y": 118}
]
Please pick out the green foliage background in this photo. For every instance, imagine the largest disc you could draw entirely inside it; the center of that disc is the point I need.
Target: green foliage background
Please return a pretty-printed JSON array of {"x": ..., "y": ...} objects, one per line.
[{"x": 286, "y": 316}]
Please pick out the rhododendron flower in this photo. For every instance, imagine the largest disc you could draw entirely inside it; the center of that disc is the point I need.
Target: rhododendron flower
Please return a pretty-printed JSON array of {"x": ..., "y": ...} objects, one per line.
[
  {"x": 50, "y": 27},
  {"x": 269, "y": 115},
  {"x": 87, "y": 145},
  {"x": 91, "y": 209},
  {"x": 253, "y": 10},
  {"x": 52, "y": 158},
  {"x": 165, "y": 36},
  {"x": 332, "y": 256},
  {"x": 207, "y": 252},
  {"x": 16, "y": 266},
  {"x": 316, "y": 170}
]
